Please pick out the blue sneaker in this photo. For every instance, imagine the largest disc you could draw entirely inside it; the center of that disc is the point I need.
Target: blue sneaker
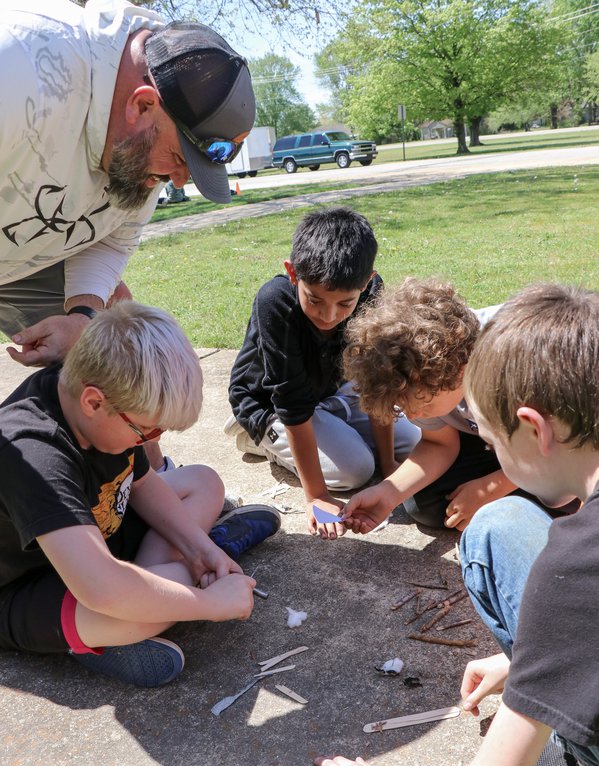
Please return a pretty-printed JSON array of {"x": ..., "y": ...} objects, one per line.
[
  {"x": 149, "y": 663},
  {"x": 244, "y": 527}
]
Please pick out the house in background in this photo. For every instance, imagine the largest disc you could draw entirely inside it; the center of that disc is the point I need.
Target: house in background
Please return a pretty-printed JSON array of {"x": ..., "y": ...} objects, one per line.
[{"x": 436, "y": 129}]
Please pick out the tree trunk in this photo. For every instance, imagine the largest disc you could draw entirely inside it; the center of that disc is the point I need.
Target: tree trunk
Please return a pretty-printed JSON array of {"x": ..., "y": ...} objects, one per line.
[
  {"x": 475, "y": 131},
  {"x": 460, "y": 131},
  {"x": 553, "y": 114}
]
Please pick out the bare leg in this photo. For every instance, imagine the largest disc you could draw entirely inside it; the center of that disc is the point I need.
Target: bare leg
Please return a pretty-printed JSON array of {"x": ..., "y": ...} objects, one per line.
[{"x": 202, "y": 493}]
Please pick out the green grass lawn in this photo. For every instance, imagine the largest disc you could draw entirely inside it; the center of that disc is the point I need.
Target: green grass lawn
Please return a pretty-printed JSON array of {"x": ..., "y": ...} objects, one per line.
[
  {"x": 414, "y": 151},
  {"x": 488, "y": 234}
]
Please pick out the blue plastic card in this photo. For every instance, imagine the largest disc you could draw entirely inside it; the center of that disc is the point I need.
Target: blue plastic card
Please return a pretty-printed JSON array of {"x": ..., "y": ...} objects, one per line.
[{"x": 324, "y": 517}]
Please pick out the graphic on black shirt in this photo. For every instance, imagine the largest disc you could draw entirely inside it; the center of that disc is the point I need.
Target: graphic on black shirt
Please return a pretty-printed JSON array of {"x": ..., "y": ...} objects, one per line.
[{"x": 113, "y": 498}]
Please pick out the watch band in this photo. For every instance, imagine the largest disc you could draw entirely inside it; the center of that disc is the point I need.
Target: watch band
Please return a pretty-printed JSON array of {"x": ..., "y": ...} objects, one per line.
[{"x": 85, "y": 310}]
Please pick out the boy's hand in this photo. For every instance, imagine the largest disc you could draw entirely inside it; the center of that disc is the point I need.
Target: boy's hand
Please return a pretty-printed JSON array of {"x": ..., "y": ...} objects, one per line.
[
  {"x": 370, "y": 507},
  {"x": 331, "y": 505},
  {"x": 483, "y": 677},
  {"x": 211, "y": 564},
  {"x": 338, "y": 760},
  {"x": 466, "y": 499},
  {"x": 230, "y": 598}
]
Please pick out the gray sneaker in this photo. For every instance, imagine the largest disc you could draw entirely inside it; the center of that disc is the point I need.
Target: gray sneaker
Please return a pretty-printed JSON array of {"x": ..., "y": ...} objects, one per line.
[{"x": 243, "y": 440}]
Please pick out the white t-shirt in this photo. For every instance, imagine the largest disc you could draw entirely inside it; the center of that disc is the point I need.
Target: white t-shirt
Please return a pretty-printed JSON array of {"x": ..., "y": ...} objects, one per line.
[{"x": 59, "y": 65}]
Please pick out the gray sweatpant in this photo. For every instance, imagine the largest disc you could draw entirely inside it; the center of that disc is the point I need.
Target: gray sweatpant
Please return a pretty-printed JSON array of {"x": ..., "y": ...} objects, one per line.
[{"x": 346, "y": 446}]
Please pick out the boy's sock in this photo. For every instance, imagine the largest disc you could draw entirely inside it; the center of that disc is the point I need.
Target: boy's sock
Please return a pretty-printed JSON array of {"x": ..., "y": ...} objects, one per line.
[
  {"x": 245, "y": 527},
  {"x": 149, "y": 663}
]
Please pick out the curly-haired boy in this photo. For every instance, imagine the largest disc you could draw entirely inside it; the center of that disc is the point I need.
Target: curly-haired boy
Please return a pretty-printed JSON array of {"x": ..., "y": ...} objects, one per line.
[{"x": 407, "y": 352}]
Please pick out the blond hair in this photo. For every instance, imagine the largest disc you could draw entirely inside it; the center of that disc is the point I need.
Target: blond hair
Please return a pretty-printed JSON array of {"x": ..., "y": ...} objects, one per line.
[
  {"x": 541, "y": 350},
  {"x": 142, "y": 361},
  {"x": 412, "y": 342}
]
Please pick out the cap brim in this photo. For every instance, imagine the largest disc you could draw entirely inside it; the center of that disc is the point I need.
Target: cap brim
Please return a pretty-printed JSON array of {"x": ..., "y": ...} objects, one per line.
[{"x": 210, "y": 177}]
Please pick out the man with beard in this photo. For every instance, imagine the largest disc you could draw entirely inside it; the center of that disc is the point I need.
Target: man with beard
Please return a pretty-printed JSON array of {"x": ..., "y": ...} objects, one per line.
[{"x": 101, "y": 106}]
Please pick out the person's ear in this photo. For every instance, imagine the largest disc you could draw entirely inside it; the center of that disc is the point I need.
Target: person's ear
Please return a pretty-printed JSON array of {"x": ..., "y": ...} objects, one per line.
[
  {"x": 141, "y": 106},
  {"x": 91, "y": 400},
  {"x": 290, "y": 271},
  {"x": 538, "y": 426},
  {"x": 368, "y": 281}
]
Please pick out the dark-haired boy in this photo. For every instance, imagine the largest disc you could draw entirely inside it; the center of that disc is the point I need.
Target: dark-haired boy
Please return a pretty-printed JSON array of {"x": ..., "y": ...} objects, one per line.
[{"x": 286, "y": 389}]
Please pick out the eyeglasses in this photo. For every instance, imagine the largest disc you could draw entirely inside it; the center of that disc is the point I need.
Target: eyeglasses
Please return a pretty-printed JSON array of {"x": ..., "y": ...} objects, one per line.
[{"x": 143, "y": 438}]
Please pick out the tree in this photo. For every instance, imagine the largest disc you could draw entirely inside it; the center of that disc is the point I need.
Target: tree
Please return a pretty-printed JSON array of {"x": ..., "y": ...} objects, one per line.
[
  {"x": 445, "y": 58},
  {"x": 332, "y": 70},
  {"x": 278, "y": 102},
  {"x": 293, "y": 20}
]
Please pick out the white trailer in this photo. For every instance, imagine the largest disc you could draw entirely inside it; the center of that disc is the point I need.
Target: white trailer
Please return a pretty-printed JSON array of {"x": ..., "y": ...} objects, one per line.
[{"x": 255, "y": 154}]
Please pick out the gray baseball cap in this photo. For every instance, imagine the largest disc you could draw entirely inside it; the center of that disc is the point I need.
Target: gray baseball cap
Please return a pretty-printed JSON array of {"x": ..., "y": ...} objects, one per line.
[{"x": 206, "y": 89}]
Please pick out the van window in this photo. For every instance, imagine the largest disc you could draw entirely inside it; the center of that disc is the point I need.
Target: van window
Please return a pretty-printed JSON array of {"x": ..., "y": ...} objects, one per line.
[
  {"x": 287, "y": 142},
  {"x": 338, "y": 135},
  {"x": 305, "y": 140},
  {"x": 318, "y": 139}
]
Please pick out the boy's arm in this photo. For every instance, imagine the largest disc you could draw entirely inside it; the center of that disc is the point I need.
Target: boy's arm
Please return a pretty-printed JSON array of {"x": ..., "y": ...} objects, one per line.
[
  {"x": 122, "y": 590},
  {"x": 431, "y": 457},
  {"x": 156, "y": 502},
  {"x": 384, "y": 439},
  {"x": 466, "y": 499},
  {"x": 512, "y": 740},
  {"x": 304, "y": 449}
]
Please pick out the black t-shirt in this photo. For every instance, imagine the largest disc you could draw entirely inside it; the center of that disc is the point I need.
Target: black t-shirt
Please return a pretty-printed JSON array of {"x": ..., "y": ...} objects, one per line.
[
  {"x": 554, "y": 675},
  {"x": 48, "y": 481},
  {"x": 286, "y": 365}
]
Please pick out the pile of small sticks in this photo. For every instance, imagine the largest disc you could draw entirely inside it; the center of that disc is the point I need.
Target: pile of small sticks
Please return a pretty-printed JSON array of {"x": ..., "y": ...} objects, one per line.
[{"x": 443, "y": 606}]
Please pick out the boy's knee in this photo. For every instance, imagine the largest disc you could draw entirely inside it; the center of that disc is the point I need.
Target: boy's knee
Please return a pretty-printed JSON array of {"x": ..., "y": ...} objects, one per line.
[
  {"x": 429, "y": 513},
  {"x": 352, "y": 473}
]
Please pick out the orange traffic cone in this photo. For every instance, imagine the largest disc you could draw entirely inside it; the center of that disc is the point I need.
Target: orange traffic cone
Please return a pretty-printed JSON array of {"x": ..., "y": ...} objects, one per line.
[{"x": 237, "y": 189}]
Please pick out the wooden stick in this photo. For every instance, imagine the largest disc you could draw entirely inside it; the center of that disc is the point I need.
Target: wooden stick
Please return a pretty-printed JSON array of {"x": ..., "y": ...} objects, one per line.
[
  {"x": 441, "y": 614},
  {"x": 439, "y": 640},
  {"x": 413, "y": 720},
  {"x": 266, "y": 664},
  {"x": 291, "y": 694},
  {"x": 454, "y": 625},
  {"x": 428, "y": 585},
  {"x": 404, "y": 601},
  {"x": 453, "y": 598},
  {"x": 272, "y": 672}
]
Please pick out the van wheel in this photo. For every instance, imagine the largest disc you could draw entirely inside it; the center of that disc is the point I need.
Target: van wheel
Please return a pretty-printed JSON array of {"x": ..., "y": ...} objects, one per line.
[
  {"x": 343, "y": 160},
  {"x": 240, "y": 175},
  {"x": 365, "y": 163},
  {"x": 290, "y": 166},
  {"x": 313, "y": 167},
  {"x": 252, "y": 173}
]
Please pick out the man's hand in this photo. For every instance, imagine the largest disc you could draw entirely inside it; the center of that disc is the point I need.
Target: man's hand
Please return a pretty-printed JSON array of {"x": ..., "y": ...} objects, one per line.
[
  {"x": 466, "y": 499},
  {"x": 230, "y": 598},
  {"x": 47, "y": 341},
  {"x": 370, "y": 507},
  {"x": 483, "y": 677},
  {"x": 330, "y": 505},
  {"x": 211, "y": 564}
]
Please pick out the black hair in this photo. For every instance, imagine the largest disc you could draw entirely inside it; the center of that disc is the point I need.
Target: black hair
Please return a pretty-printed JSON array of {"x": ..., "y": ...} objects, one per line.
[{"x": 335, "y": 248}]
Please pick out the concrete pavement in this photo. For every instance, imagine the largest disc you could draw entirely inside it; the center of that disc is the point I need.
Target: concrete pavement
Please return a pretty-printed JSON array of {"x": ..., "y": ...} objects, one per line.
[{"x": 55, "y": 712}]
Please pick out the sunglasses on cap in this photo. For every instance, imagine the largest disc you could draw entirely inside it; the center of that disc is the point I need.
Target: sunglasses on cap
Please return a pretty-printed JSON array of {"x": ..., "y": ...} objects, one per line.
[{"x": 219, "y": 150}]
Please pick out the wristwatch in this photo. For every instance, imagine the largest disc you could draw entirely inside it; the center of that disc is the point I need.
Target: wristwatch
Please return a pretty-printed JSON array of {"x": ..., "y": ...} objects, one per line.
[{"x": 85, "y": 310}]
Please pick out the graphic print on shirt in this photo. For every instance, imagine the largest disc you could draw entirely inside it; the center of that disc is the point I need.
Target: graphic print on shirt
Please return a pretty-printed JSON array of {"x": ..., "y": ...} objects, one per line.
[
  {"x": 49, "y": 219},
  {"x": 112, "y": 501}
]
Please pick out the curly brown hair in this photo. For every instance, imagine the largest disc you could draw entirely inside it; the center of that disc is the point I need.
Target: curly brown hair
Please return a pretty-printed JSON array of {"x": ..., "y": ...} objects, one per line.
[{"x": 412, "y": 342}]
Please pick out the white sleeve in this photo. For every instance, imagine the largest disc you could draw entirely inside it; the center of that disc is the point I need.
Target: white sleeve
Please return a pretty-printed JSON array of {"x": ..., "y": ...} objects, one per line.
[{"x": 98, "y": 269}]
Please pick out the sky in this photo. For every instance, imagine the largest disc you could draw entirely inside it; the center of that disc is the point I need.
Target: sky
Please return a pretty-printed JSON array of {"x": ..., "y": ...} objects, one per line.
[{"x": 253, "y": 46}]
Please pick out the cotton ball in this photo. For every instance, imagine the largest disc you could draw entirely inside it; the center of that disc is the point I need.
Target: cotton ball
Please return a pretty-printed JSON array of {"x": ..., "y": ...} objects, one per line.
[
  {"x": 393, "y": 666},
  {"x": 295, "y": 618}
]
